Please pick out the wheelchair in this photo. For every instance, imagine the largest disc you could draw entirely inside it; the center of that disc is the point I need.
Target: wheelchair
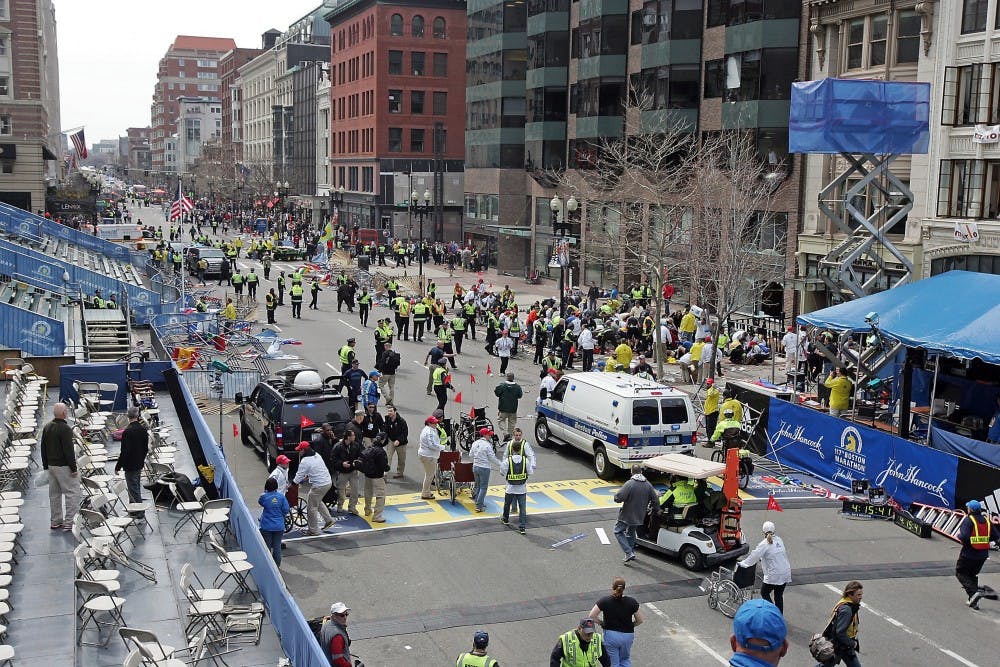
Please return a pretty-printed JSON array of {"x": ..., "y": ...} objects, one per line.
[
  {"x": 468, "y": 427},
  {"x": 453, "y": 475},
  {"x": 728, "y": 589}
]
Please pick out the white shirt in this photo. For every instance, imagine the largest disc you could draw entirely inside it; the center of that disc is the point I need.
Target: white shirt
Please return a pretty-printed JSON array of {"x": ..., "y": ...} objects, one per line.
[
  {"x": 706, "y": 354},
  {"x": 483, "y": 456},
  {"x": 529, "y": 453},
  {"x": 548, "y": 384},
  {"x": 773, "y": 559},
  {"x": 313, "y": 469},
  {"x": 281, "y": 475},
  {"x": 430, "y": 442},
  {"x": 586, "y": 340},
  {"x": 503, "y": 346},
  {"x": 788, "y": 343}
]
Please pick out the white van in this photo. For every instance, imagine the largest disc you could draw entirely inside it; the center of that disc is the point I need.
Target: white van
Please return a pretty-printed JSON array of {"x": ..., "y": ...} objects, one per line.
[{"x": 617, "y": 418}]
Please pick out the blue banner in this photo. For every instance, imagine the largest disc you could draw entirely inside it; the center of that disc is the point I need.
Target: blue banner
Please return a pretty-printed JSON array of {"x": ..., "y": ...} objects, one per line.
[
  {"x": 25, "y": 223},
  {"x": 34, "y": 334},
  {"x": 838, "y": 451}
]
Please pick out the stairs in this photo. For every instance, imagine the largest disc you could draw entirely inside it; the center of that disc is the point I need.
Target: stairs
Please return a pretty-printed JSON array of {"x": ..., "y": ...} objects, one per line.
[{"x": 105, "y": 334}]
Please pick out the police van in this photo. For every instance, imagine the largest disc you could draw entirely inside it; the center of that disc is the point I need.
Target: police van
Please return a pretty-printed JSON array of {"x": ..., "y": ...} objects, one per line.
[{"x": 618, "y": 419}]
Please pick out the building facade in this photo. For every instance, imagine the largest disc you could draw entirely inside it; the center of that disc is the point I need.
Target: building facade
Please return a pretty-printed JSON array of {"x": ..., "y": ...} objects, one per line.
[
  {"x": 199, "y": 121},
  {"x": 30, "y": 139},
  {"x": 139, "y": 158},
  {"x": 548, "y": 80},
  {"x": 397, "y": 114},
  {"x": 189, "y": 68},
  {"x": 231, "y": 91}
]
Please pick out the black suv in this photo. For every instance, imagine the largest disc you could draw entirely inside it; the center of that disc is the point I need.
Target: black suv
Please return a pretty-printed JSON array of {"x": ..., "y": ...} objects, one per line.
[{"x": 287, "y": 407}]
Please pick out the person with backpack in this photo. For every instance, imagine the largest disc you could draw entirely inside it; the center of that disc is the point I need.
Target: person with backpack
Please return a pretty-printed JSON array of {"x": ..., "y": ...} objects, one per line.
[
  {"x": 373, "y": 464},
  {"x": 842, "y": 629}
]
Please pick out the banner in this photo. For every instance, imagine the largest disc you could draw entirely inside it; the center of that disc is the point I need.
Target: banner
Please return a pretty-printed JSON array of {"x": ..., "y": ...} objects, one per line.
[
  {"x": 986, "y": 134},
  {"x": 838, "y": 452},
  {"x": 967, "y": 232}
]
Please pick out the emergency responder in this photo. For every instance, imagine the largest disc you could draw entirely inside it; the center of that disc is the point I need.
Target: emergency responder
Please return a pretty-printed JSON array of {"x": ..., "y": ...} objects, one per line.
[
  {"x": 364, "y": 305},
  {"x": 440, "y": 383},
  {"x": 421, "y": 313},
  {"x": 271, "y": 303},
  {"x": 296, "y": 295},
  {"x": 314, "y": 290},
  {"x": 477, "y": 657},
  {"x": 728, "y": 422},
  {"x": 458, "y": 326},
  {"x": 347, "y": 354},
  {"x": 281, "y": 288},
  {"x": 580, "y": 647},
  {"x": 975, "y": 533},
  {"x": 674, "y": 500},
  {"x": 252, "y": 279},
  {"x": 237, "y": 282},
  {"x": 403, "y": 308}
]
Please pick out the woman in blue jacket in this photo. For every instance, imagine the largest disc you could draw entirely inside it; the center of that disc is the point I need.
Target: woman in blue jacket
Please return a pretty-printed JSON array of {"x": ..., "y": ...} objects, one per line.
[{"x": 272, "y": 519}]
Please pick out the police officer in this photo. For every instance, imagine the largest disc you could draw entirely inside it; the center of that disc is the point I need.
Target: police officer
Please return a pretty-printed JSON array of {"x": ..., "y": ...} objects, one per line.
[
  {"x": 581, "y": 647},
  {"x": 281, "y": 288},
  {"x": 237, "y": 282},
  {"x": 403, "y": 308},
  {"x": 252, "y": 281},
  {"x": 296, "y": 295},
  {"x": 458, "y": 326},
  {"x": 728, "y": 422},
  {"x": 364, "y": 305},
  {"x": 347, "y": 355},
  {"x": 469, "y": 310},
  {"x": 267, "y": 266},
  {"x": 421, "y": 313},
  {"x": 439, "y": 381},
  {"x": 271, "y": 303},
  {"x": 477, "y": 657},
  {"x": 314, "y": 291}
]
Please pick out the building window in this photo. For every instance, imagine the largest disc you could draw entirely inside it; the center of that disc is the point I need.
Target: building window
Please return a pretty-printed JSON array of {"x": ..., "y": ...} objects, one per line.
[
  {"x": 5, "y": 125},
  {"x": 395, "y": 140},
  {"x": 960, "y": 103},
  {"x": 683, "y": 91},
  {"x": 395, "y": 101},
  {"x": 396, "y": 25},
  {"x": 716, "y": 13},
  {"x": 3, "y": 45},
  {"x": 4, "y": 86},
  {"x": 440, "y": 64},
  {"x": 416, "y": 141},
  {"x": 440, "y": 104},
  {"x": 439, "y": 28},
  {"x": 715, "y": 78},
  {"x": 417, "y": 25},
  {"x": 395, "y": 62},
  {"x": 417, "y": 63},
  {"x": 907, "y": 37},
  {"x": 973, "y": 16},
  {"x": 416, "y": 101},
  {"x": 662, "y": 20},
  {"x": 960, "y": 188}
]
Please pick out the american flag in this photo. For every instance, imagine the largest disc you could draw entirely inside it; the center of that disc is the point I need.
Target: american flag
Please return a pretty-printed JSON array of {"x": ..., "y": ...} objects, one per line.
[
  {"x": 180, "y": 206},
  {"x": 79, "y": 143}
]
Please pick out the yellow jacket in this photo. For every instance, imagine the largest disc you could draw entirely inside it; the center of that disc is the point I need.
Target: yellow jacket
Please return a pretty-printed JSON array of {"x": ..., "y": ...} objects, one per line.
[
  {"x": 840, "y": 392},
  {"x": 712, "y": 397}
]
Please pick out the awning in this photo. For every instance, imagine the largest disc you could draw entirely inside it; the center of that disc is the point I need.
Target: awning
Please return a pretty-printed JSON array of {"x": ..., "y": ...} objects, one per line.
[
  {"x": 956, "y": 313},
  {"x": 47, "y": 154}
]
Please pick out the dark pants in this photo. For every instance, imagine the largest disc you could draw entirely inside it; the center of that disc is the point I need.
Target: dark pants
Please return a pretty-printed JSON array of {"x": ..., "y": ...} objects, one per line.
[
  {"x": 540, "y": 341},
  {"x": 272, "y": 538},
  {"x": 449, "y": 350},
  {"x": 363, "y": 314},
  {"x": 418, "y": 329},
  {"x": 711, "y": 420},
  {"x": 133, "y": 482},
  {"x": 270, "y": 316},
  {"x": 457, "y": 338},
  {"x": 297, "y": 309},
  {"x": 281, "y": 297},
  {"x": 588, "y": 359},
  {"x": 503, "y": 364},
  {"x": 312, "y": 301},
  {"x": 967, "y": 573},
  {"x": 403, "y": 327},
  {"x": 521, "y": 501},
  {"x": 252, "y": 290},
  {"x": 470, "y": 321},
  {"x": 779, "y": 595},
  {"x": 442, "y": 395}
]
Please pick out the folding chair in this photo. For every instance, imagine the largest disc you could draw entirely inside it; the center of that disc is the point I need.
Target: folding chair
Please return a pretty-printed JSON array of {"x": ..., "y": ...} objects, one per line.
[
  {"x": 229, "y": 568},
  {"x": 190, "y": 508},
  {"x": 214, "y": 516},
  {"x": 98, "y": 600},
  {"x": 203, "y": 593},
  {"x": 201, "y": 613},
  {"x": 148, "y": 644}
]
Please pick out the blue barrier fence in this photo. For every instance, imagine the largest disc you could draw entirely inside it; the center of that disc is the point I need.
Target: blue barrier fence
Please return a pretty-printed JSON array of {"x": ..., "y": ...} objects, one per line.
[
  {"x": 18, "y": 221},
  {"x": 34, "y": 334},
  {"x": 296, "y": 638}
]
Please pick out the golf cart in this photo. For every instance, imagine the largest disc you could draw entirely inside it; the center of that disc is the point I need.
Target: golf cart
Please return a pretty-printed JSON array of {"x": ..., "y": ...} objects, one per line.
[{"x": 701, "y": 535}]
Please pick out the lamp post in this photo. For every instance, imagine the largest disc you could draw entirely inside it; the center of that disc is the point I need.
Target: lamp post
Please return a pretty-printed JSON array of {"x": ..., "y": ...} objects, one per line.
[
  {"x": 239, "y": 198},
  {"x": 281, "y": 191},
  {"x": 561, "y": 256},
  {"x": 421, "y": 208},
  {"x": 336, "y": 201}
]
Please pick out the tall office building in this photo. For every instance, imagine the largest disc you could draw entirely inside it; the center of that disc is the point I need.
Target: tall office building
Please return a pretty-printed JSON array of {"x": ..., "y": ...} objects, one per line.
[
  {"x": 189, "y": 68},
  {"x": 548, "y": 79}
]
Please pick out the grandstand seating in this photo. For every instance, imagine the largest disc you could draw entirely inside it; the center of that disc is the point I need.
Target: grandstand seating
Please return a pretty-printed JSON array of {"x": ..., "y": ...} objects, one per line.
[{"x": 82, "y": 257}]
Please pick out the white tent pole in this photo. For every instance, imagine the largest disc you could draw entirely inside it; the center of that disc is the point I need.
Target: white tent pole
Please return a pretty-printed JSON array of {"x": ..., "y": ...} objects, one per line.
[{"x": 930, "y": 416}]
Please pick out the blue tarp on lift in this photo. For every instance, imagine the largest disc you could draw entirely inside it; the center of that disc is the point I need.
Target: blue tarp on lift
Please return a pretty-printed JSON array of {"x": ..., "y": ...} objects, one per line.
[{"x": 956, "y": 314}]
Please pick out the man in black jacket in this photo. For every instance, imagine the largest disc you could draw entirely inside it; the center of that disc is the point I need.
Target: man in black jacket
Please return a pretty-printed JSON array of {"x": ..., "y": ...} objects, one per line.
[
  {"x": 345, "y": 453},
  {"x": 374, "y": 463},
  {"x": 59, "y": 458},
  {"x": 397, "y": 433},
  {"x": 387, "y": 365},
  {"x": 135, "y": 448}
]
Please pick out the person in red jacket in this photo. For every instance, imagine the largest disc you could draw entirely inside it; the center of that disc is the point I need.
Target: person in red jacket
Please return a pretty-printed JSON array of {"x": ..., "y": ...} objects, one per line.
[{"x": 333, "y": 636}]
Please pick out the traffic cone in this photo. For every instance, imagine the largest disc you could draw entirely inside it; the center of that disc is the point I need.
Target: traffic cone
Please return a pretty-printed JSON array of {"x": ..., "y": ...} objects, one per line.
[
  {"x": 489, "y": 369},
  {"x": 458, "y": 399},
  {"x": 236, "y": 431}
]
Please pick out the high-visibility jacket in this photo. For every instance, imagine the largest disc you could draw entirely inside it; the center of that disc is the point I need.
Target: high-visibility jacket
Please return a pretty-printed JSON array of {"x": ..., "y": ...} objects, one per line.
[
  {"x": 392, "y": 286},
  {"x": 201, "y": 306},
  {"x": 296, "y": 279},
  {"x": 365, "y": 299},
  {"x": 682, "y": 493},
  {"x": 342, "y": 279},
  {"x": 444, "y": 334},
  {"x": 252, "y": 278},
  {"x": 281, "y": 283},
  {"x": 346, "y": 354},
  {"x": 404, "y": 308},
  {"x": 237, "y": 279},
  {"x": 980, "y": 537},
  {"x": 573, "y": 653},
  {"x": 517, "y": 471},
  {"x": 470, "y": 660},
  {"x": 458, "y": 324},
  {"x": 419, "y": 311},
  {"x": 296, "y": 293},
  {"x": 439, "y": 375},
  {"x": 270, "y": 300},
  {"x": 470, "y": 309}
]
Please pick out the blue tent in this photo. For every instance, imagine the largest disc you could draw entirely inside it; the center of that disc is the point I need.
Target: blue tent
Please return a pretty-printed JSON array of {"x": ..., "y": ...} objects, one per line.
[{"x": 956, "y": 314}]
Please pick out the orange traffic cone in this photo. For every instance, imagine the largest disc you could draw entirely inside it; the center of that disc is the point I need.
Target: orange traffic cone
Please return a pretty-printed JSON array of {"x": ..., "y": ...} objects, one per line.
[
  {"x": 489, "y": 369},
  {"x": 458, "y": 397}
]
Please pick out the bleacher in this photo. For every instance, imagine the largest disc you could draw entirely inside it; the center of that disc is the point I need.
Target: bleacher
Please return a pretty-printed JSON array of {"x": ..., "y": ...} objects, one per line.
[
  {"x": 36, "y": 300},
  {"x": 82, "y": 257}
]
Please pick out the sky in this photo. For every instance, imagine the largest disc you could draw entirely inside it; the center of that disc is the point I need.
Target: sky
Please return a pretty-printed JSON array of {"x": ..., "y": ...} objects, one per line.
[{"x": 109, "y": 50}]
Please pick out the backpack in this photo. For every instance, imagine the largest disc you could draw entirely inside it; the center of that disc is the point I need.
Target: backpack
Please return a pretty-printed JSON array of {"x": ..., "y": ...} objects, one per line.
[
  {"x": 368, "y": 462},
  {"x": 820, "y": 646}
]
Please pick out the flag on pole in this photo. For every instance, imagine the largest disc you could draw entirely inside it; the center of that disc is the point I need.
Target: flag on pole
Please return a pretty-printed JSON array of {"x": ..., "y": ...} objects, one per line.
[
  {"x": 305, "y": 422},
  {"x": 328, "y": 232},
  {"x": 79, "y": 143},
  {"x": 181, "y": 205},
  {"x": 772, "y": 504}
]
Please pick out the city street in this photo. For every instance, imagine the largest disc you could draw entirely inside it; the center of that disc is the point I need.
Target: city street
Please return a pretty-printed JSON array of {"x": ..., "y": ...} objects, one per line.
[{"x": 420, "y": 587}]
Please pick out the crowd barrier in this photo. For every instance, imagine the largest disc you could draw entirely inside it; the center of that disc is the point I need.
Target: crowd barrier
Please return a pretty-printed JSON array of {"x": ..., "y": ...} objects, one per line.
[
  {"x": 297, "y": 639},
  {"x": 36, "y": 334}
]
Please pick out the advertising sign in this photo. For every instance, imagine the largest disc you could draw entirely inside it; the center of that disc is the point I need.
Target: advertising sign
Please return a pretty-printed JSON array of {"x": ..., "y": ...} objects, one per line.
[{"x": 840, "y": 452}]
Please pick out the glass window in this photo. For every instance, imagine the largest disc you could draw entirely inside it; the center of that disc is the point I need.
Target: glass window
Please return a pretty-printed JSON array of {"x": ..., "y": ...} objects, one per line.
[
  {"x": 417, "y": 26},
  {"x": 684, "y": 82},
  {"x": 645, "y": 412},
  {"x": 855, "y": 43},
  {"x": 778, "y": 71},
  {"x": 3, "y": 45},
  {"x": 673, "y": 411},
  {"x": 395, "y": 62},
  {"x": 416, "y": 141},
  {"x": 417, "y": 63},
  {"x": 440, "y": 104},
  {"x": 416, "y": 101},
  {"x": 4, "y": 86},
  {"x": 440, "y": 64},
  {"x": 395, "y": 139},
  {"x": 560, "y": 390},
  {"x": 515, "y": 16},
  {"x": 716, "y": 13},
  {"x": 470, "y": 205},
  {"x": 395, "y": 101},
  {"x": 973, "y": 15},
  {"x": 438, "y": 28},
  {"x": 877, "y": 42},
  {"x": 5, "y": 127},
  {"x": 715, "y": 78},
  {"x": 907, "y": 37},
  {"x": 396, "y": 25}
]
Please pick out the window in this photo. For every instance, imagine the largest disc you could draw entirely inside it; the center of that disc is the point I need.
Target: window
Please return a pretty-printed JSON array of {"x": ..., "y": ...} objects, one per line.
[
  {"x": 4, "y": 86},
  {"x": 416, "y": 101},
  {"x": 440, "y": 104},
  {"x": 3, "y": 45},
  {"x": 395, "y": 101},
  {"x": 207, "y": 63},
  {"x": 855, "y": 43},
  {"x": 645, "y": 412},
  {"x": 417, "y": 63},
  {"x": 440, "y": 64},
  {"x": 870, "y": 45},
  {"x": 395, "y": 140},
  {"x": 760, "y": 75},
  {"x": 716, "y": 12},
  {"x": 673, "y": 411},
  {"x": 515, "y": 64},
  {"x": 5, "y": 125},
  {"x": 395, "y": 62},
  {"x": 416, "y": 141},
  {"x": 715, "y": 78},
  {"x": 960, "y": 188},
  {"x": 438, "y": 28},
  {"x": 396, "y": 25},
  {"x": 961, "y": 100},
  {"x": 879, "y": 33},
  {"x": 180, "y": 62},
  {"x": 417, "y": 26},
  {"x": 662, "y": 20},
  {"x": 907, "y": 37},
  {"x": 367, "y": 179},
  {"x": 973, "y": 16},
  {"x": 683, "y": 84}
]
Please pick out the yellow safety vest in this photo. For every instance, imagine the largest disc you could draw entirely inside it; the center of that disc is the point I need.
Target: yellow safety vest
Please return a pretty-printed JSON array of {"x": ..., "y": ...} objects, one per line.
[
  {"x": 516, "y": 472},
  {"x": 573, "y": 653},
  {"x": 345, "y": 354},
  {"x": 439, "y": 375}
]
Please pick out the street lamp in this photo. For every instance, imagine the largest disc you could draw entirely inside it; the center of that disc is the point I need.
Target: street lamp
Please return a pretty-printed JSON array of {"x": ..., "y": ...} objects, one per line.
[
  {"x": 421, "y": 209},
  {"x": 281, "y": 191},
  {"x": 336, "y": 201},
  {"x": 561, "y": 256}
]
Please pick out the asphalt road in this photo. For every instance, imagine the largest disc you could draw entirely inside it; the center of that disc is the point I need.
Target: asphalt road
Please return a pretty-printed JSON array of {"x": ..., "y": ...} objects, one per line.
[{"x": 418, "y": 593}]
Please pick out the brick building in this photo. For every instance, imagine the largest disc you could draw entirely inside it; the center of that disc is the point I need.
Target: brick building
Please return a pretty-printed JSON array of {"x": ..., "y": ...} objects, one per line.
[
  {"x": 231, "y": 94},
  {"x": 397, "y": 80}
]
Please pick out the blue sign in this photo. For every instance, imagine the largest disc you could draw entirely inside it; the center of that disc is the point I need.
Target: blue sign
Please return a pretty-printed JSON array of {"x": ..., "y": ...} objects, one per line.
[
  {"x": 31, "y": 333},
  {"x": 838, "y": 452}
]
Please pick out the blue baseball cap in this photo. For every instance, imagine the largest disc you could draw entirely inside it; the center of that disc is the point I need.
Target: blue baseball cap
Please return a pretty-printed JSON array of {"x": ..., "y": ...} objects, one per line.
[
  {"x": 974, "y": 506},
  {"x": 761, "y": 621}
]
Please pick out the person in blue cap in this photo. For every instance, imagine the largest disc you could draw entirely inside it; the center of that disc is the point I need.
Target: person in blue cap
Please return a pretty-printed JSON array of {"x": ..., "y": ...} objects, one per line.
[
  {"x": 477, "y": 657},
  {"x": 975, "y": 533},
  {"x": 759, "y": 635}
]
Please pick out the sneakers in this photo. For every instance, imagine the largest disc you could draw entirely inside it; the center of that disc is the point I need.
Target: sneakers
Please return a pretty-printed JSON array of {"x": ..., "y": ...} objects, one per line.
[
  {"x": 379, "y": 519},
  {"x": 55, "y": 526},
  {"x": 974, "y": 599},
  {"x": 328, "y": 524},
  {"x": 521, "y": 530},
  {"x": 503, "y": 521},
  {"x": 628, "y": 559},
  {"x": 67, "y": 527},
  {"x": 480, "y": 510},
  {"x": 427, "y": 497}
]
